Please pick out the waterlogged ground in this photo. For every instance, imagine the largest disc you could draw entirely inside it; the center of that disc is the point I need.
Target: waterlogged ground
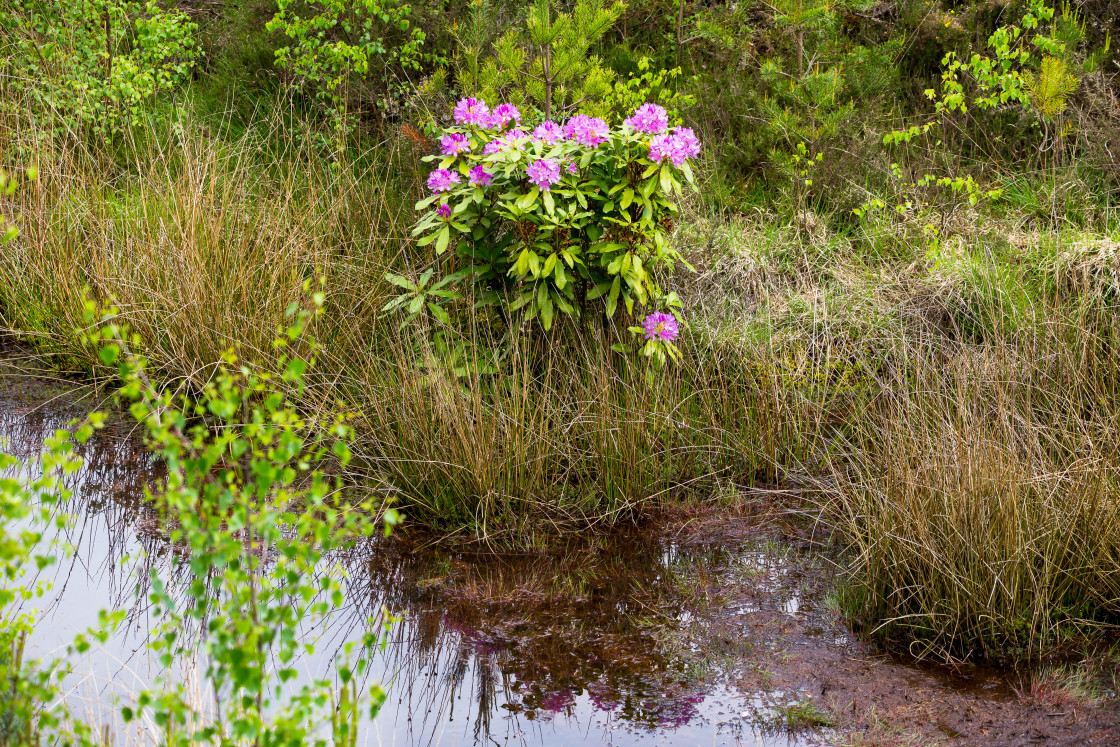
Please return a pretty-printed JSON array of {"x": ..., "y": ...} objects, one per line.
[{"x": 707, "y": 629}]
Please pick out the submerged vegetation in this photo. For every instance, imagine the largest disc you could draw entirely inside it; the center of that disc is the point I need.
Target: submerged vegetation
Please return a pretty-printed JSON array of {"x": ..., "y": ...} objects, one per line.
[{"x": 887, "y": 280}]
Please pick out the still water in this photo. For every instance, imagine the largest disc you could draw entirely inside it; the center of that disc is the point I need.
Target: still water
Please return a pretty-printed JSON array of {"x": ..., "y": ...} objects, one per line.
[{"x": 622, "y": 639}]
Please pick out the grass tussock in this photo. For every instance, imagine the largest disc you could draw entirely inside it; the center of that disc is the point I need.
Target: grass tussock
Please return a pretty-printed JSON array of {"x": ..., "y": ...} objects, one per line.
[{"x": 980, "y": 515}]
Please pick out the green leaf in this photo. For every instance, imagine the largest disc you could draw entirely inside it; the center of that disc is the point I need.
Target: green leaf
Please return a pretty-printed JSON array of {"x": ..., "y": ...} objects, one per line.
[
  {"x": 527, "y": 201},
  {"x": 523, "y": 299},
  {"x": 549, "y": 205},
  {"x": 687, "y": 169},
  {"x": 444, "y": 237},
  {"x": 439, "y": 313},
  {"x": 108, "y": 354},
  {"x": 598, "y": 291},
  {"x": 395, "y": 302},
  {"x": 546, "y": 314},
  {"x": 402, "y": 282},
  {"x": 666, "y": 178}
]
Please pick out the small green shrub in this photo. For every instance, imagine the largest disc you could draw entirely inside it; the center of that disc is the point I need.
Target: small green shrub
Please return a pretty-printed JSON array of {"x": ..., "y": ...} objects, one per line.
[
  {"x": 548, "y": 63},
  {"x": 97, "y": 63},
  {"x": 247, "y": 498},
  {"x": 336, "y": 44}
]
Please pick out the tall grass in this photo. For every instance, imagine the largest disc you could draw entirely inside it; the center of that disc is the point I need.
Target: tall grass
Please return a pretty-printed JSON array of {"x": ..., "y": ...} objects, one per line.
[
  {"x": 203, "y": 241},
  {"x": 981, "y": 490},
  {"x": 954, "y": 407}
]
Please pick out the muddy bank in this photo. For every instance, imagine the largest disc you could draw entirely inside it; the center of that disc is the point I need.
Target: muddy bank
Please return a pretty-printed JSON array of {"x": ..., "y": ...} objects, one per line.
[{"x": 711, "y": 627}]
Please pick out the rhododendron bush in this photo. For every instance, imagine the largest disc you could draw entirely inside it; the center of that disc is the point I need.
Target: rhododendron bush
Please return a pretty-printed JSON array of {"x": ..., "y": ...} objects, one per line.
[{"x": 550, "y": 218}]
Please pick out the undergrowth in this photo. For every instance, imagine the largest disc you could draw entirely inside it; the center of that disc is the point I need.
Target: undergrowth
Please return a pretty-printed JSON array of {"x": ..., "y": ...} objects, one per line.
[{"x": 941, "y": 377}]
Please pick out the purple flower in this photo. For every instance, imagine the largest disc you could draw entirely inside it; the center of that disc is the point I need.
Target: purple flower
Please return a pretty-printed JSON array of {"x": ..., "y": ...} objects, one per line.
[
  {"x": 504, "y": 114},
  {"x": 444, "y": 210},
  {"x": 548, "y": 132},
  {"x": 661, "y": 326},
  {"x": 573, "y": 168},
  {"x": 455, "y": 143},
  {"x": 544, "y": 173},
  {"x": 648, "y": 118},
  {"x": 480, "y": 177},
  {"x": 678, "y": 146},
  {"x": 587, "y": 131},
  {"x": 661, "y": 147},
  {"x": 441, "y": 180},
  {"x": 687, "y": 142},
  {"x": 472, "y": 112}
]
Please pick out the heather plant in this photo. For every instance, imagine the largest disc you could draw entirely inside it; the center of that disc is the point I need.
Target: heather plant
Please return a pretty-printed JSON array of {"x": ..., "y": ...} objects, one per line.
[
  {"x": 97, "y": 63},
  {"x": 545, "y": 219}
]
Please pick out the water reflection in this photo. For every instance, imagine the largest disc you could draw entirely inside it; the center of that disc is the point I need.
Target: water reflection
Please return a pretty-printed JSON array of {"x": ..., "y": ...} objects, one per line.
[{"x": 615, "y": 639}]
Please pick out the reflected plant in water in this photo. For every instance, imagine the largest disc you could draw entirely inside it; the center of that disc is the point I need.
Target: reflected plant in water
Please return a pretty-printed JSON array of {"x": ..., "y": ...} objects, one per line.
[
  {"x": 256, "y": 521},
  {"x": 28, "y": 508}
]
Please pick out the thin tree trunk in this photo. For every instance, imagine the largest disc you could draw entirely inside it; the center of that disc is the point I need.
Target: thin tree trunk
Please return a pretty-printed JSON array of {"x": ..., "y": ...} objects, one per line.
[
  {"x": 680, "y": 29},
  {"x": 801, "y": 53},
  {"x": 108, "y": 49}
]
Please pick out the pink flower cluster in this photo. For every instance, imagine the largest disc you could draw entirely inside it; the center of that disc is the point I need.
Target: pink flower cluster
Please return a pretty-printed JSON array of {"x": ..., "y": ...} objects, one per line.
[
  {"x": 475, "y": 113},
  {"x": 648, "y": 118},
  {"x": 548, "y": 133},
  {"x": 678, "y": 146},
  {"x": 587, "y": 131},
  {"x": 455, "y": 143},
  {"x": 444, "y": 211},
  {"x": 503, "y": 114},
  {"x": 480, "y": 177},
  {"x": 544, "y": 173},
  {"x": 472, "y": 112},
  {"x": 442, "y": 180},
  {"x": 661, "y": 326}
]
